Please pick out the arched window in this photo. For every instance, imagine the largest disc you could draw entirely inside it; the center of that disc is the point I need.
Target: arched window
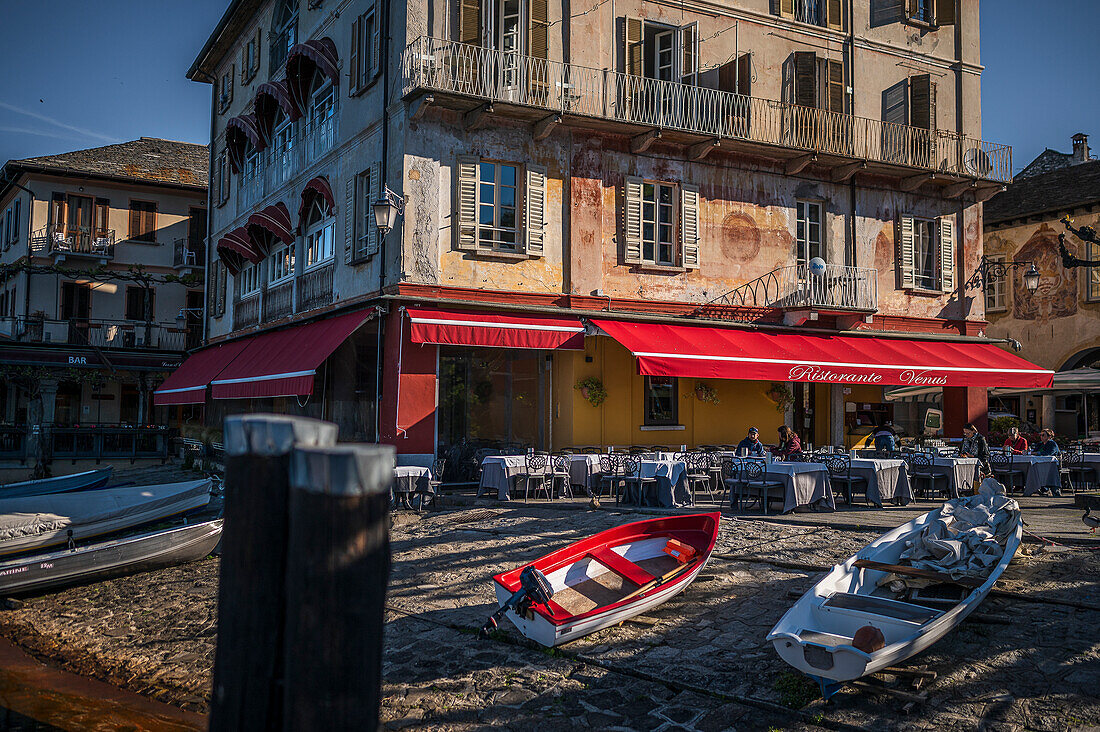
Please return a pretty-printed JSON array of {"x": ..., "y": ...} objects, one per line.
[
  {"x": 320, "y": 231},
  {"x": 284, "y": 32},
  {"x": 322, "y": 99}
]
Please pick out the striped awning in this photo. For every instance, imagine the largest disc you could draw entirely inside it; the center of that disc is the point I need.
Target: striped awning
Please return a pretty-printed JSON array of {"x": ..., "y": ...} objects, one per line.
[
  {"x": 239, "y": 131},
  {"x": 274, "y": 220},
  {"x": 271, "y": 96},
  {"x": 318, "y": 186},
  {"x": 303, "y": 59},
  {"x": 235, "y": 248}
]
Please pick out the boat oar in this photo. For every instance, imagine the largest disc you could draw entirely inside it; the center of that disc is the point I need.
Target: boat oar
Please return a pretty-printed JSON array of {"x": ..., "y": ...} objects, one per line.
[{"x": 659, "y": 580}]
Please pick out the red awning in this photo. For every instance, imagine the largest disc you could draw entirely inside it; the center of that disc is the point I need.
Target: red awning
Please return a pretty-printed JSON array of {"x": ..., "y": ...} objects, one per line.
[
  {"x": 316, "y": 187},
  {"x": 727, "y": 353},
  {"x": 235, "y": 247},
  {"x": 270, "y": 96},
  {"x": 274, "y": 219},
  {"x": 239, "y": 131},
  {"x": 187, "y": 384},
  {"x": 459, "y": 328},
  {"x": 283, "y": 362},
  {"x": 302, "y": 59}
]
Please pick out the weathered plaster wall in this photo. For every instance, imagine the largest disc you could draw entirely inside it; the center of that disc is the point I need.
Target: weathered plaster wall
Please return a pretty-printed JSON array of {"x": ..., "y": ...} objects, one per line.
[{"x": 1057, "y": 321}]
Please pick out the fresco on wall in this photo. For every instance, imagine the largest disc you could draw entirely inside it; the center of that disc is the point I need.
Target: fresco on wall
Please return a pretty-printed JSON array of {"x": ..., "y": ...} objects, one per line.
[{"x": 1057, "y": 293}]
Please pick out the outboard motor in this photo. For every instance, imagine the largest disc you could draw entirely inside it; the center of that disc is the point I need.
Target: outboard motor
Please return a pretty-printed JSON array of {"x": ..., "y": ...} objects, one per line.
[{"x": 533, "y": 588}]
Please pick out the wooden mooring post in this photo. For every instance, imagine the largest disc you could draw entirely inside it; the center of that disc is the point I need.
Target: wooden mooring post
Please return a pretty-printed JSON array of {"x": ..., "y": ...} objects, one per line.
[{"x": 248, "y": 663}]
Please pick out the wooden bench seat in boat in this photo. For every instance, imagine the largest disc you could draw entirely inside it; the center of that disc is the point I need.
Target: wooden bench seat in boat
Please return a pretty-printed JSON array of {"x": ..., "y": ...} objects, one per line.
[
  {"x": 881, "y": 606},
  {"x": 824, "y": 639},
  {"x": 621, "y": 566}
]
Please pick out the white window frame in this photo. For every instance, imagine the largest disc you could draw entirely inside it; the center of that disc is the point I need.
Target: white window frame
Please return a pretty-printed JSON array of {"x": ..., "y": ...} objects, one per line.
[
  {"x": 324, "y": 228},
  {"x": 495, "y": 229},
  {"x": 250, "y": 280},
  {"x": 927, "y": 281},
  {"x": 996, "y": 291},
  {"x": 803, "y": 231},
  {"x": 281, "y": 263},
  {"x": 651, "y": 209}
]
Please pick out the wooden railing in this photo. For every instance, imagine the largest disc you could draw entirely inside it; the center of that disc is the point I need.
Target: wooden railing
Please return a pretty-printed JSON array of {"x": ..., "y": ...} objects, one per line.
[
  {"x": 315, "y": 288},
  {"x": 278, "y": 301},
  {"x": 432, "y": 64}
]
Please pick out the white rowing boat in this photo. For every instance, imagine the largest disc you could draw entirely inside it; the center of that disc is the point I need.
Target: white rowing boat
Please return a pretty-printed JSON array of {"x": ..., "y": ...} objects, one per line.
[{"x": 903, "y": 592}]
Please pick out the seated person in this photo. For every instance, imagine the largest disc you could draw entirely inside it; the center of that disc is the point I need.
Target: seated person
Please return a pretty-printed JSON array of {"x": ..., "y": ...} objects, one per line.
[
  {"x": 1047, "y": 446},
  {"x": 1015, "y": 441},
  {"x": 751, "y": 444},
  {"x": 789, "y": 444}
]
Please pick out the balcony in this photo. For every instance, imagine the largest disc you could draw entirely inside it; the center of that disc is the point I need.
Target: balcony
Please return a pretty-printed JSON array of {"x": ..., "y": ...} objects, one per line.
[
  {"x": 97, "y": 333},
  {"x": 310, "y": 141},
  {"x": 478, "y": 80},
  {"x": 794, "y": 289},
  {"x": 62, "y": 243},
  {"x": 189, "y": 256}
]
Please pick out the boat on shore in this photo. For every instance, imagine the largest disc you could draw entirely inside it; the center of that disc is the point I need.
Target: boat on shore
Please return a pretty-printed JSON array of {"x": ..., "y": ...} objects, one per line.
[
  {"x": 606, "y": 578},
  {"x": 38, "y": 522},
  {"x": 903, "y": 592},
  {"x": 141, "y": 552},
  {"x": 85, "y": 481}
]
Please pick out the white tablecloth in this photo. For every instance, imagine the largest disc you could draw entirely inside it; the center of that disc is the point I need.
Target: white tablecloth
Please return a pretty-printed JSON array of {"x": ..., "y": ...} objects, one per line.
[
  {"x": 409, "y": 479},
  {"x": 960, "y": 472},
  {"x": 887, "y": 480},
  {"x": 807, "y": 484},
  {"x": 1042, "y": 472}
]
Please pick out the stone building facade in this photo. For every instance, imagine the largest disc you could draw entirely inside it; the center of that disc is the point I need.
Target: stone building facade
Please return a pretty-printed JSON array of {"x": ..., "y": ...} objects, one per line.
[{"x": 646, "y": 162}]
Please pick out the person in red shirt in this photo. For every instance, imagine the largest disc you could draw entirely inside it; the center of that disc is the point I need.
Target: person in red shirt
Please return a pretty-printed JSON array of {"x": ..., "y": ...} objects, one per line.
[
  {"x": 789, "y": 444},
  {"x": 1016, "y": 441}
]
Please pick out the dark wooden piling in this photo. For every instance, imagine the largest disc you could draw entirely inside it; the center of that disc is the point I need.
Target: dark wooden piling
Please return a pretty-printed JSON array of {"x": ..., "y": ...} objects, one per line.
[
  {"x": 248, "y": 663},
  {"x": 339, "y": 564}
]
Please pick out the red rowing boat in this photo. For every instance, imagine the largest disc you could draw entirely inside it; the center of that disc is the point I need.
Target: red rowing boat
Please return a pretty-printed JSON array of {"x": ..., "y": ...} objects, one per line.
[{"x": 605, "y": 579}]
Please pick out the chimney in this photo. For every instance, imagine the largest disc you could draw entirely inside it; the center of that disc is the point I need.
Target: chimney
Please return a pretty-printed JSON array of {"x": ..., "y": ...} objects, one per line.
[{"x": 1080, "y": 148}]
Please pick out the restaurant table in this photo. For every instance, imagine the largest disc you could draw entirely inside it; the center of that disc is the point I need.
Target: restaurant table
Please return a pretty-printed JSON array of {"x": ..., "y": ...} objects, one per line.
[
  {"x": 1092, "y": 460},
  {"x": 498, "y": 472},
  {"x": 409, "y": 479},
  {"x": 671, "y": 478},
  {"x": 887, "y": 480},
  {"x": 961, "y": 472},
  {"x": 806, "y": 484},
  {"x": 584, "y": 471},
  {"x": 1042, "y": 472}
]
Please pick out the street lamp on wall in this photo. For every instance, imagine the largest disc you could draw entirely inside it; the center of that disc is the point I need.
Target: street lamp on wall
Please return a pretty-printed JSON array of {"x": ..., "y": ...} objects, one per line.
[
  {"x": 387, "y": 209},
  {"x": 990, "y": 270}
]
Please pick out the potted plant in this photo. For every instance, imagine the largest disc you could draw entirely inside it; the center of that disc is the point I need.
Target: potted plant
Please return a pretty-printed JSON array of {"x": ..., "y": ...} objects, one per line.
[
  {"x": 592, "y": 389},
  {"x": 781, "y": 394},
  {"x": 704, "y": 392}
]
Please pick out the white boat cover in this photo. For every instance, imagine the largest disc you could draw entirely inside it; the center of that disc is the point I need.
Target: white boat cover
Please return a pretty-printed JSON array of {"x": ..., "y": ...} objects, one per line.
[
  {"x": 968, "y": 538},
  {"x": 36, "y": 515}
]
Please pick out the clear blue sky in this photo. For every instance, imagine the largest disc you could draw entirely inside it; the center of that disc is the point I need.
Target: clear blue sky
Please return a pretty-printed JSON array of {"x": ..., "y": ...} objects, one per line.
[{"x": 82, "y": 74}]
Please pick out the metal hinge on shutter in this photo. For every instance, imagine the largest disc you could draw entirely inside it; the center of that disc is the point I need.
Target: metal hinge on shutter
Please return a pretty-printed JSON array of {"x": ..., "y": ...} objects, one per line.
[
  {"x": 535, "y": 210},
  {"x": 632, "y": 220},
  {"x": 349, "y": 221},
  {"x": 947, "y": 253},
  {"x": 906, "y": 243},
  {"x": 689, "y": 226},
  {"x": 466, "y": 203}
]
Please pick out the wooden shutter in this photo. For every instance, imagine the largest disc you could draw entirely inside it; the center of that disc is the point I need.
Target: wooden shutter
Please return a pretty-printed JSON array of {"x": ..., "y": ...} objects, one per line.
[
  {"x": 232, "y": 73},
  {"x": 689, "y": 226},
  {"x": 374, "y": 193},
  {"x": 539, "y": 30},
  {"x": 912, "y": 10},
  {"x": 469, "y": 22},
  {"x": 689, "y": 53},
  {"x": 57, "y": 212},
  {"x": 349, "y": 220},
  {"x": 15, "y": 216},
  {"x": 907, "y": 233},
  {"x": 223, "y": 278},
  {"x": 256, "y": 55},
  {"x": 805, "y": 78},
  {"x": 922, "y": 102},
  {"x": 375, "y": 41},
  {"x": 535, "y": 210},
  {"x": 833, "y": 14},
  {"x": 355, "y": 77},
  {"x": 835, "y": 80},
  {"x": 632, "y": 46},
  {"x": 102, "y": 214},
  {"x": 786, "y": 8},
  {"x": 947, "y": 253},
  {"x": 632, "y": 220},
  {"x": 244, "y": 63},
  {"x": 151, "y": 221},
  {"x": 467, "y": 201},
  {"x": 945, "y": 12},
  {"x": 135, "y": 220},
  {"x": 744, "y": 74}
]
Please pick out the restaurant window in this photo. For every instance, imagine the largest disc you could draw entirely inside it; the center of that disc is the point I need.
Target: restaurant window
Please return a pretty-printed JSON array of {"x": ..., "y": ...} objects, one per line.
[
  {"x": 284, "y": 33},
  {"x": 996, "y": 291},
  {"x": 135, "y": 304},
  {"x": 1092, "y": 281},
  {"x": 926, "y": 254},
  {"x": 249, "y": 279},
  {"x": 281, "y": 264},
  {"x": 660, "y": 400},
  {"x": 143, "y": 221},
  {"x": 808, "y": 231},
  {"x": 661, "y": 223},
  {"x": 501, "y": 206},
  {"x": 320, "y": 239}
]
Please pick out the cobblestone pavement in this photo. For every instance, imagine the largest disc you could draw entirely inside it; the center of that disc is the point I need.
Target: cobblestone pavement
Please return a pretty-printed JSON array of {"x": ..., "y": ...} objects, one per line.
[{"x": 696, "y": 663}]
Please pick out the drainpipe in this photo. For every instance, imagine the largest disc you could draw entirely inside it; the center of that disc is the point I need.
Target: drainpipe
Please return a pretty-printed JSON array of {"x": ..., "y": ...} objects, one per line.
[
  {"x": 852, "y": 259},
  {"x": 385, "y": 55},
  {"x": 207, "y": 269}
]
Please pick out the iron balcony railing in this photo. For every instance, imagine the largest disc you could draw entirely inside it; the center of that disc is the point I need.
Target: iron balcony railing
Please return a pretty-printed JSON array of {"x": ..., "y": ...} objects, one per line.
[
  {"x": 96, "y": 333},
  {"x": 838, "y": 287},
  {"x": 60, "y": 240},
  {"x": 309, "y": 141},
  {"x": 189, "y": 254},
  {"x": 436, "y": 65}
]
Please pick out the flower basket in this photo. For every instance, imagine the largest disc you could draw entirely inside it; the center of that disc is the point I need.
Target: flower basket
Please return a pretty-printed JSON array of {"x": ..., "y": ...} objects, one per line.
[
  {"x": 706, "y": 393},
  {"x": 781, "y": 394},
  {"x": 592, "y": 390}
]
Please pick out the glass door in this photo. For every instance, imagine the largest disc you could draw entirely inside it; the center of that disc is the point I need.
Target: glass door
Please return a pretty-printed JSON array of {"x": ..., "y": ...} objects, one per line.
[{"x": 78, "y": 229}]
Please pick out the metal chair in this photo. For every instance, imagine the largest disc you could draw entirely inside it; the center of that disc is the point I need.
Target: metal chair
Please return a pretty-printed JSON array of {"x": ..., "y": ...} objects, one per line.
[
  {"x": 1075, "y": 470},
  {"x": 840, "y": 472},
  {"x": 714, "y": 469},
  {"x": 559, "y": 471},
  {"x": 923, "y": 476},
  {"x": 535, "y": 464},
  {"x": 697, "y": 473},
  {"x": 1005, "y": 473},
  {"x": 632, "y": 476},
  {"x": 611, "y": 468},
  {"x": 731, "y": 468},
  {"x": 436, "y": 483},
  {"x": 755, "y": 476}
]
